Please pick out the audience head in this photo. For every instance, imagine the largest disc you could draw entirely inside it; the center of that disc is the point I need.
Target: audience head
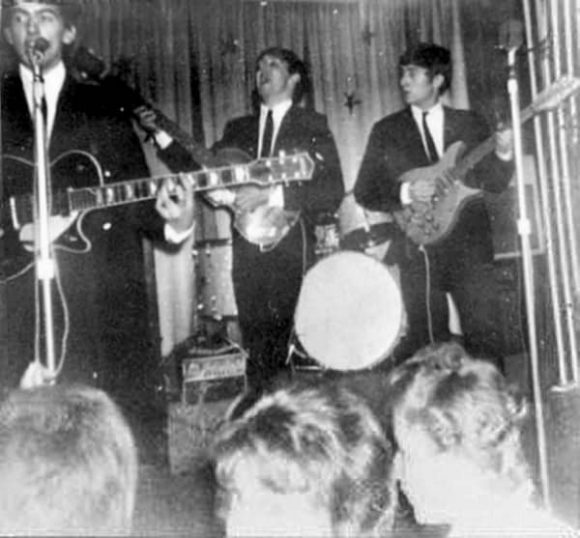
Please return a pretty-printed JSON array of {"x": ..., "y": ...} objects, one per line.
[
  {"x": 51, "y": 21},
  {"x": 68, "y": 463},
  {"x": 436, "y": 60},
  {"x": 307, "y": 461},
  {"x": 457, "y": 427},
  {"x": 280, "y": 73}
]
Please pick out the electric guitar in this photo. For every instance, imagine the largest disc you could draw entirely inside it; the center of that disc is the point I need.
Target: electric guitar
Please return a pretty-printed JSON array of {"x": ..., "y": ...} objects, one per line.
[
  {"x": 69, "y": 207},
  {"x": 427, "y": 223},
  {"x": 264, "y": 226}
]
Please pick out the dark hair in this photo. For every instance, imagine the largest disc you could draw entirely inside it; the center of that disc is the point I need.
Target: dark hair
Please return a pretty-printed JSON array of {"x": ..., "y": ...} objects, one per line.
[
  {"x": 68, "y": 463},
  {"x": 321, "y": 441},
  {"x": 434, "y": 58},
  {"x": 295, "y": 65}
]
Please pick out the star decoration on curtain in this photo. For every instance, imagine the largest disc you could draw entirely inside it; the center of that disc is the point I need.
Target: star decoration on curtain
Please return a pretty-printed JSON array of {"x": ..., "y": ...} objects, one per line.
[
  {"x": 351, "y": 101},
  {"x": 229, "y": 46},
  {"x": 367, "y": 35}
]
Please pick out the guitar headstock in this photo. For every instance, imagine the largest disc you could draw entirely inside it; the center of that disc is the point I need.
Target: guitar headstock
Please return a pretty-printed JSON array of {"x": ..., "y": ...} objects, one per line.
[
  {"x": 559, "y": 91},
  {"x": 282, "y": 168}
]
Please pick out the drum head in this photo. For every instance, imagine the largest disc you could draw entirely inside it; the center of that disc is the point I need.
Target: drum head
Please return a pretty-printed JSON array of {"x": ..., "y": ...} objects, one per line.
[{"x": 350, "y": 313}]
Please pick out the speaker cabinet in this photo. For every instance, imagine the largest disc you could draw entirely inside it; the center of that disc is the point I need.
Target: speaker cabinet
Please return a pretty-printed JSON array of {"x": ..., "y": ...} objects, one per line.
[{"x": 504, "y": 212}]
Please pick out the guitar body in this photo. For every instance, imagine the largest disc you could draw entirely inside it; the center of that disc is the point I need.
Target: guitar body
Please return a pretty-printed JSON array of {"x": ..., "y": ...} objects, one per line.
[
  {"x": 65, "y": 227},
  {"x": 429, "y": 223},
  {"x": 265, "y": 226}
]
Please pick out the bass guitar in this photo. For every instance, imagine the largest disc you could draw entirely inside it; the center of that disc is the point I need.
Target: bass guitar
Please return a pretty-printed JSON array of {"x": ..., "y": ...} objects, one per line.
[
  {"x": 427, "y": 223},
  {"x": 69, "y": 207}
]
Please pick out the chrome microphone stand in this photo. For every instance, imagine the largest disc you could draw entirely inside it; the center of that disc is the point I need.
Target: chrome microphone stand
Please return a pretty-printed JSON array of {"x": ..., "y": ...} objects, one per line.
[
  {"x": 44, "y": 260},
  {"x": 524, "y": 231}
]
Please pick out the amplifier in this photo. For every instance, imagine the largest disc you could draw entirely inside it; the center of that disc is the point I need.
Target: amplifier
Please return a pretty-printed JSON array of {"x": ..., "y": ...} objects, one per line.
[{"x": 208, "y": 376}]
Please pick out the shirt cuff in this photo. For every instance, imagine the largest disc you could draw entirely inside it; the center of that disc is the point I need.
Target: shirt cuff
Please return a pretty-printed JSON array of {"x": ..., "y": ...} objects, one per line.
[
  {"x": 162, "y": 139},
  {"x": 175, "y": 237},
  {"x": 505, "y": 155},
  {"x": 276, "y": 197},
  {"x": 406, "y": 194}
]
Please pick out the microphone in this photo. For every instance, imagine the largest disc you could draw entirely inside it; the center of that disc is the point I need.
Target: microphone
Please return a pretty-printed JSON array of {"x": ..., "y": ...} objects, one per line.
[
  {"x": 37, "y": 48},
  {"x": 511, "y": 35}
]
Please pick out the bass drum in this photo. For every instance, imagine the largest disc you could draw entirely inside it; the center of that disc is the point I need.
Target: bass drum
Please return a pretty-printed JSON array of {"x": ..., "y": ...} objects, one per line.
[{"x": 350, "y": 312}]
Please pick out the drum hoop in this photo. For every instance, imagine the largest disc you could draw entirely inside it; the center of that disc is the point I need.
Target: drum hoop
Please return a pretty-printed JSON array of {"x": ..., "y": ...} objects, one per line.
[{"x": 391, "y": 307}]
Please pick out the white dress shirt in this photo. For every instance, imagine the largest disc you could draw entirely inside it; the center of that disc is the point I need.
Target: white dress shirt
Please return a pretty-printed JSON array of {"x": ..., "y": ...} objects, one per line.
[{"x": 53, "y": 83}]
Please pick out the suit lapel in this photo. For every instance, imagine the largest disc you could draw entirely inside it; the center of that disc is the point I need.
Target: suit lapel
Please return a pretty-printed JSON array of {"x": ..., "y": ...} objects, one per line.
[
  {"x": 450, "y": 129},
  {"x": 286, "y": 130}
]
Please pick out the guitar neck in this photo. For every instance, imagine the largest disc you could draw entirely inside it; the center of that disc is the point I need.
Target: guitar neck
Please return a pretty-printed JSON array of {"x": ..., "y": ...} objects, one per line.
[
  {"x": 127, "y": 192},
  {"x": 200, "y": 153},
  {"x": 145, "y": 189},
  {"x": 487, "y": 146}
]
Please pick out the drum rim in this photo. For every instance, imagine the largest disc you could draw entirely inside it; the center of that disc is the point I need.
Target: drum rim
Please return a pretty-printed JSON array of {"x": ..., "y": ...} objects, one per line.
[{"x": 399, "y": 333}]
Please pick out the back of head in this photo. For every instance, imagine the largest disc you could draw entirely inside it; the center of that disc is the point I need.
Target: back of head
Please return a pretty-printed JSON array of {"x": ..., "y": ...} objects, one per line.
[
  {"x": 68, "y": 463},
  {"x": 465, "y": 407},
  {"x": 434, "y": 58},
  {"x": 322, "y": 444}
]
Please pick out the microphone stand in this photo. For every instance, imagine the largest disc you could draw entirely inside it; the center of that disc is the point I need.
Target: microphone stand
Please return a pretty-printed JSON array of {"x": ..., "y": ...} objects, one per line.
[
  {"x": 45, "y": 264},
  {"x": 524, "y": 231}
]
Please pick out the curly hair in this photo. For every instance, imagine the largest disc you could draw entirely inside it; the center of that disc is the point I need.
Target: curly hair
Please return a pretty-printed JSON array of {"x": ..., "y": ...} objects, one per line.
[{"x": 465, "y": 403}]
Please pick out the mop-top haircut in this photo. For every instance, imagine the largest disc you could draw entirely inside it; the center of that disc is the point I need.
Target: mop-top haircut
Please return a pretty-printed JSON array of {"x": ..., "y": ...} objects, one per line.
[{"x": 434, "y": 58}]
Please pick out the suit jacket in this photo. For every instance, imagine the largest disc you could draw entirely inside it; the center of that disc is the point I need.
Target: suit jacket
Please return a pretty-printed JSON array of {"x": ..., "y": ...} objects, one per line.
[
  {"x": 267, "y": 284},
  {"x": 105, "y": 288},
  {"x": 395, "y": 146}
]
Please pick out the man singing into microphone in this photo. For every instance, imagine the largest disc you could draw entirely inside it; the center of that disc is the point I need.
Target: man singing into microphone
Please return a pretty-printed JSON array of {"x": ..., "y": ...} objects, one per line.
[{"x": 102, "y": 327}]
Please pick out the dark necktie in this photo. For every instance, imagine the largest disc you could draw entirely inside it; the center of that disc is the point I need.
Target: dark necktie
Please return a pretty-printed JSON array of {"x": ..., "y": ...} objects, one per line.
[
  {"x": 268, "y": 134},
  {"x": 431, "y": 150},
  {"x": 44, "y": 110}
]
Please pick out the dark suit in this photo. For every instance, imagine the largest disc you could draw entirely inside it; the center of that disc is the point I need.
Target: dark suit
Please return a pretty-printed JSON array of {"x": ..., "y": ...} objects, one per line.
[
  {"x": 110, "y": 341},
  {"x": 267, "y": 284},
  {"x": 460, "y": 264}
]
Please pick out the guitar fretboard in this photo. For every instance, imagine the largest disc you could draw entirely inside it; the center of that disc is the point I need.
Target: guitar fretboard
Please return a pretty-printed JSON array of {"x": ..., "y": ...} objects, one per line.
[{"x": 145, "y": 189}]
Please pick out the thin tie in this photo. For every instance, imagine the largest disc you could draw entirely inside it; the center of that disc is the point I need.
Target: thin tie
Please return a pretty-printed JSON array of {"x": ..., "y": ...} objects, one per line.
[
  {"x": 268, "y": 134},
  {"x": 44, "y": 110},
  {"x": 431, "y": 149}
]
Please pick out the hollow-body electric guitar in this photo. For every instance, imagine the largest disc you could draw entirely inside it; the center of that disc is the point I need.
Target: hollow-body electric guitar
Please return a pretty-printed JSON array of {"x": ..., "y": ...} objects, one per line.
[
  {"x": 67, "y": 208},
  {"x": 427, "y": 223}
]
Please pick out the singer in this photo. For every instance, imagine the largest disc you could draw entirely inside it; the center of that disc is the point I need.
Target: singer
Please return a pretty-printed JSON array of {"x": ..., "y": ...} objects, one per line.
[
  {"x": 461, "y": 263},
  {"x": 102, "y": 318}
]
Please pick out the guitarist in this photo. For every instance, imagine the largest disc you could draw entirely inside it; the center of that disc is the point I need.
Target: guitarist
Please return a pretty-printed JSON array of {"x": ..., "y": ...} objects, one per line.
[
  {"x": 461, "y": 263},
  {"x": 110, "y": 341},
  {"x": 267, "y": 280}
]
